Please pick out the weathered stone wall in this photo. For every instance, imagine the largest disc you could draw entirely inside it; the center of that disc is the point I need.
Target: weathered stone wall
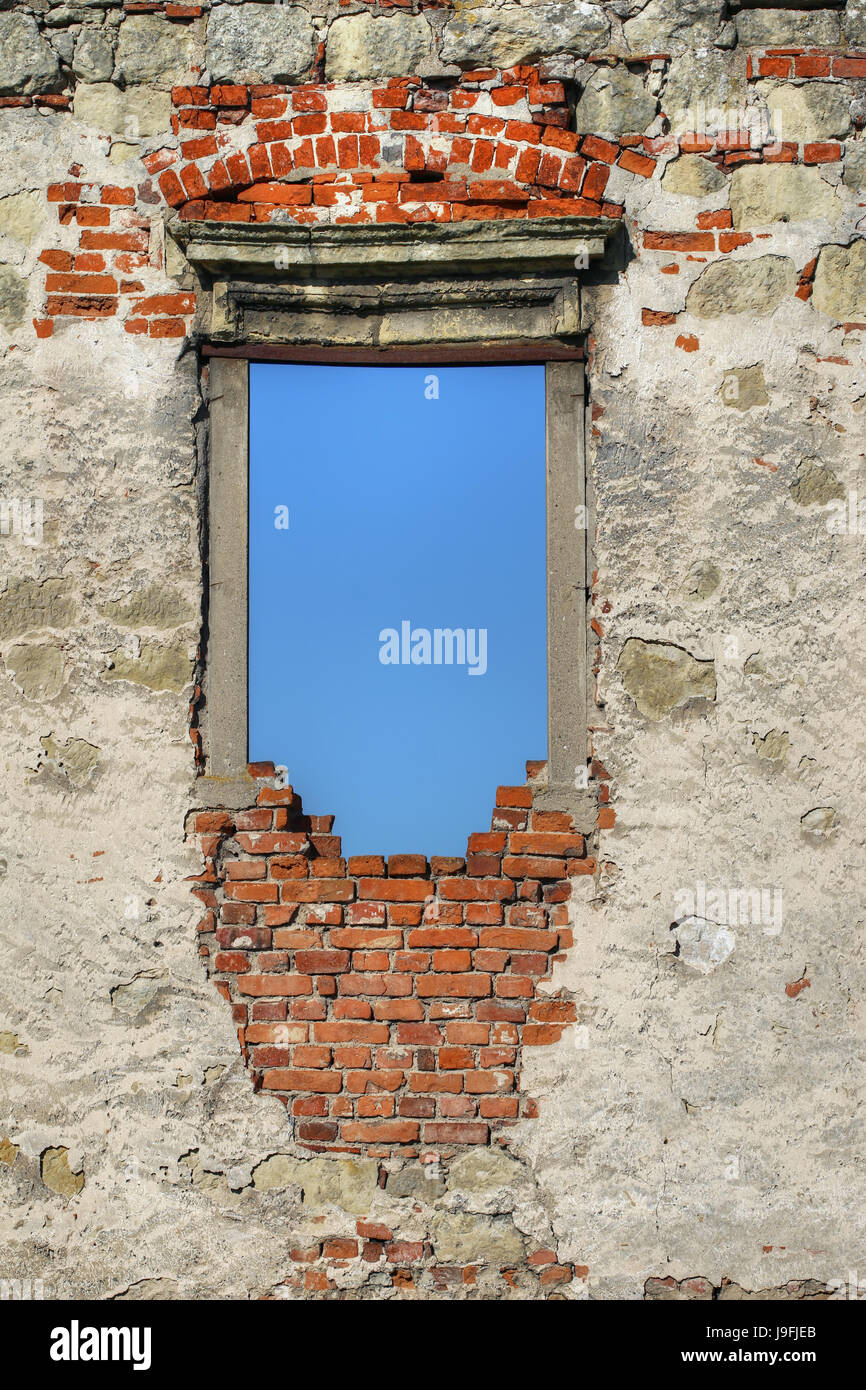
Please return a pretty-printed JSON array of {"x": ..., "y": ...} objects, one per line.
[{"x": 699, "y": 1124}]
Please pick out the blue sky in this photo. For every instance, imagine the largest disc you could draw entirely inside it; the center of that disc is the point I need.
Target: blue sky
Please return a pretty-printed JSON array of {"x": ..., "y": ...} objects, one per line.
[{"x": 415, "y": 495}]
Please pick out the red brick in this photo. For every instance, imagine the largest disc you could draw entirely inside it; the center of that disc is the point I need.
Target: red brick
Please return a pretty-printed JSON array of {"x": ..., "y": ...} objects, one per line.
[
  {"x": 452, "y": 960},
  {"x": 114, "y": 195},
  {"x": 849, "y": 67},
  {"x": 498, "y": 1107},
  {"x": 64, "y": 192},
  {"x": 774, "y": 67},
  {"x": 455, "y": 1058},
  {"x": 81, "y": 284},
  {"x": 246, "y": 869},
  {"x": 729, "y": 241},
  {"x": 538, "y": 1034},
  {"x": 276, "y": 984},
  {"x": 381, "y": 1132},
  {"x": 172, "y": 188},
  {"x": 722, "y": 218},
  {"x": 404, "y": 1251},
  {"x": 359, "y": 938},
  {"x": 485, "y": 1082},
  {"x": 472, "y": 986},
  {"x": 474, "y": 889},
  {"x": 238, "y": 913},
  {"x": 81, "y": 305},
  {"x": 408, "y": 865},
  {"x": 487, "y": 842},
  {"x": 679, "y": 241},
  {"x": 234, "y": 961},
  {"x": 253, "y": 892},
  {"x": 513, "y": 796},
  {"x": 783, "y": 152},
  {"x": 637, "y": 164},
  {"x": 425, "y": 1082},
  {"x": 491, "y": 961},
  {"x": 472, "y": 1033},
  {"x": 546, "y": 842},
  {"x": 407, "y": 1010},
  {"x": 320, "y": 890},
  {"x": 442, "y": 936},
  {"x": 596, "y": 181},
  {"x": 253, "y": 820},
  {"x": 362, "y": 984},
  {"x": 532, "y": 866},
  {"x": 351, "y": 1031},
  {"x": 518, "y": 939},
  {"x": 455, "y": 1132},
  {"x": 190, "y": 96},
  {"x": 561, "y": 139},
  {"x": 483, "y": 914},
  {"x": 367, "y": 864},
  {"x": 822, "y": 152},
  {"x": 302, "y": 1079},
  {"x": 284, "y": 194},
  {"x": 61, "y": 260},
  {"x": 311, "y": 1056},
  {"x": 91, "y": 216},
  {"x": 596, "y": 148},
  {"x": 229, "y": 95},
  {"x": 321, "y": 962},
  {"x": 398, "y": 890},
  {"x": 812, "y": 65},
  {"x": 385, "y": 1080}
]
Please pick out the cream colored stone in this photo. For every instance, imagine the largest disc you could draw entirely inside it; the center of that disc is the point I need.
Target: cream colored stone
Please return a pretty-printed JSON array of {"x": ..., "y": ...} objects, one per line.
[
  {"x": 151, "y": 50},
  {"x": 615, "y": 102},
  {"x": 134, "y": 113},
  {"x": 756, "y": 287},
  {"x": 31, "y": 605},
  {"x": 659, "y": 676},
  {"x": 361, "y": 47},
  {"x": 840, "y": 282},
  {"x": 762, "y": 194},
  {"x": 8, "y": 1151},
  {"x": 21, "y": 216},
  {"x": 702, "y": 580},
  {"x": 744, "y": 388},
  {"x": 815, "y": 484},
  {"x": 464, "y": 1238},
  {"x": 854, "y": 175},
  {"x": 13, "y": 298},
  {"x": 157, "y": 605},
  {"x": 157, "y": 667},
  {"x": 57, "y": 1174},
  {"x": 37, "y": 668},
  {"x": 692, "y": 176},
  {"x": 773, "y": 747},
  {"x": 813, "y": 111},
  {"x": 479, "y": 35}
]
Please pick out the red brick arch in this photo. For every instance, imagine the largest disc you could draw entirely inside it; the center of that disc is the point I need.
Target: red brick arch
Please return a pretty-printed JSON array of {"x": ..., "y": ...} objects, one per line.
[{"x": 495, "y": 145}]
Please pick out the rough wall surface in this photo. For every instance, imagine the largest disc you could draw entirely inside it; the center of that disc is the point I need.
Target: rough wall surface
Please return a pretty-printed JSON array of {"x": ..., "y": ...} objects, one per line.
[
  {"x": 699, "y": 1120},
  {"x": 388, "y": 1004}
]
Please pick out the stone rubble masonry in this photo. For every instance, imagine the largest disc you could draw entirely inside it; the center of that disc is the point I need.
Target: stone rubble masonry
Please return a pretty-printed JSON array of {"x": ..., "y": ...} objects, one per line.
[
  {"x": 495, "y": 143},
  {"x": 387, "y": 1003},
  {"x": 412, "y": 1265}
]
